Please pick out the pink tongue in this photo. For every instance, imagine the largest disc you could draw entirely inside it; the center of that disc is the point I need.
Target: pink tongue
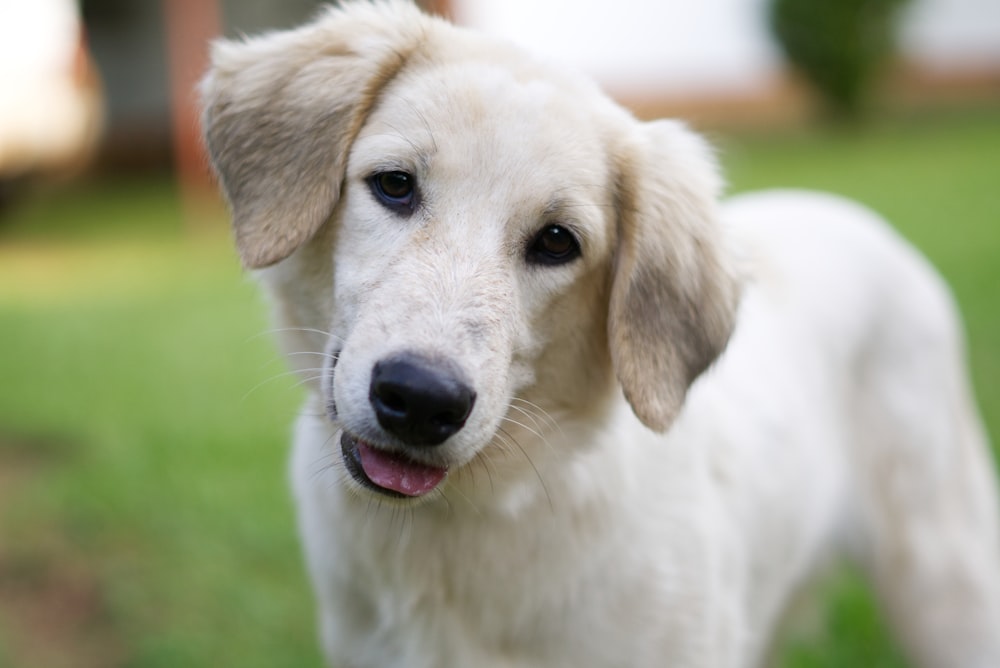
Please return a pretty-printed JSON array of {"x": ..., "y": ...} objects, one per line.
[{"x": 397, "y": 473}]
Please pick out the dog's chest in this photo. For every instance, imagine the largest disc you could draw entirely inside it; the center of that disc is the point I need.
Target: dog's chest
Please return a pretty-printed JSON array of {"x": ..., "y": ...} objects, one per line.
[{"x": 521, "y": 593}]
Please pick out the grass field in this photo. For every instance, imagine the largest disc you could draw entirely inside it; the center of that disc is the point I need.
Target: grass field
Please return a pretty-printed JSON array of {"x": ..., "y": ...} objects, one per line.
[{"x": 144, "y": 517}]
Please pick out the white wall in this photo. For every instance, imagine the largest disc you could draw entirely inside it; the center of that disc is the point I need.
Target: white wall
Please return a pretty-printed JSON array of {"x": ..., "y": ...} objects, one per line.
[
  {"x": 949, "y": 34},
  {"x": 706, "y": 46}
]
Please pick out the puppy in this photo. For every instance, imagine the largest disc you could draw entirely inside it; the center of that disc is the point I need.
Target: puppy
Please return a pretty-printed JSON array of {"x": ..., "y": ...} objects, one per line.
[{"x": 565, "y": 407}]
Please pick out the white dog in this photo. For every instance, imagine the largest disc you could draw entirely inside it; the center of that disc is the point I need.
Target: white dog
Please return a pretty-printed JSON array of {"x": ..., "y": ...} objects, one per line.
[{"x": 565, "y": 408}]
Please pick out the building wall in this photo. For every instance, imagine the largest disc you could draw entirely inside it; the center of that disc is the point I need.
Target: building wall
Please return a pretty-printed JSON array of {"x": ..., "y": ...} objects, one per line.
[
  {"x": 711, "y": 46},
  {"x": 640, "y": 50}
]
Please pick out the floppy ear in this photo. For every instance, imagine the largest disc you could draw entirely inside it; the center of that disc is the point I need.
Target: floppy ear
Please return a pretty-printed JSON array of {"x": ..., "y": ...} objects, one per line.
[
  {"x": 673, "y": 296},
  {"x": 280, "y": 113}
]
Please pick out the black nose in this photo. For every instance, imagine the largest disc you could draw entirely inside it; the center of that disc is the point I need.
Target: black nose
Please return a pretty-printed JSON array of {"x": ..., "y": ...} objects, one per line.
[{"x": 420, "y": 401}]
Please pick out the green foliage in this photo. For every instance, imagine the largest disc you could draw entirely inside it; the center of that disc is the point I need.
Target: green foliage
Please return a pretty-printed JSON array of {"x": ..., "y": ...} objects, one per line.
[{"x": 838, "y": 45}]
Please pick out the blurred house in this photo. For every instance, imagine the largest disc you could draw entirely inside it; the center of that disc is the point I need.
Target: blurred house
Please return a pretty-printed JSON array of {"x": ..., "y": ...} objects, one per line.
[
  {"x": 130, "y": 40},
  {"x": 50, "y": 98},
  {"x": 712, "y": 59},
  {"x": 716, "y": 58},
  {"x": 150, "y": 54}
]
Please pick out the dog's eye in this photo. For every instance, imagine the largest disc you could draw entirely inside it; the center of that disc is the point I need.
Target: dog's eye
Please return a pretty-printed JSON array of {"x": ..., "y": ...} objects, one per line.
[
  {"x": 553, "y": 245},
  {"x": 396, "y": 190}
]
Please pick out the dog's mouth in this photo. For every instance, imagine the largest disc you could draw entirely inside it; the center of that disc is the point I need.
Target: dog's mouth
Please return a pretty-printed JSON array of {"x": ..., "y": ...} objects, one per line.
[{"x": 389, "y": 473}]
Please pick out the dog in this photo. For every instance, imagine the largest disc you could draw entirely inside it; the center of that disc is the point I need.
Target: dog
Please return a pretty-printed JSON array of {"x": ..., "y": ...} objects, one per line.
[{"x": 567, "y": 407}]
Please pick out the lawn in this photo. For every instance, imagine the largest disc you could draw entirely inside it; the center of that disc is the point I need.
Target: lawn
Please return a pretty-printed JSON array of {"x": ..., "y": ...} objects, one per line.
[{"x": 144, "y": 417}]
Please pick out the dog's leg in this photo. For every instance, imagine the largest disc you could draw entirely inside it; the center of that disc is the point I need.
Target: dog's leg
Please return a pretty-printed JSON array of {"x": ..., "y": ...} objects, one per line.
[{"x": 927, "y": 489}]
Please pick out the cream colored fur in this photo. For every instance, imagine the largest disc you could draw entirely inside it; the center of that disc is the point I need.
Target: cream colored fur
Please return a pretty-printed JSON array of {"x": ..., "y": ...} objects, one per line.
[{"x": 671, "y": 433}]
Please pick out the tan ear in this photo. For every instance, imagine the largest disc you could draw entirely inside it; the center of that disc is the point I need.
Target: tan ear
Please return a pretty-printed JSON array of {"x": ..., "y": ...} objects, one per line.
[
  {"x": 280, "y": 113},
  {"x": 673, "y": 296}
]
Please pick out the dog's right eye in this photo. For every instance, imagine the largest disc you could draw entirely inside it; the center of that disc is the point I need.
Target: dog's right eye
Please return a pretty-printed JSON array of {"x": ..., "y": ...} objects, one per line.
[
  {"x": 396, "y": 190},
  {"x": 553, "y": 245}
]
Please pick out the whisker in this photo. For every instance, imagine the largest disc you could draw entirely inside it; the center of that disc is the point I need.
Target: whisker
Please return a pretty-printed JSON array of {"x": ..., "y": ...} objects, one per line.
[
  {"x": 530, "y": 415},
  {"x": 329, "y": 455},
  {"x": 503, "y": 444},
  {"x": 538, "y": 411},
  {"x": 531, "y": 462},
  {"x": 468, "y": 501},
  {"x": 296, "y": 353},
  {"x": 448, "y": 503},
  {"x": 533, "y": 432},
  {"x": 309, "y": 379},
  {"x": 423, "y": 120},
  {"x": 281, "y": 330},
  {"x": 481, "y": 456},
  {"x": 279, "y": 376}
]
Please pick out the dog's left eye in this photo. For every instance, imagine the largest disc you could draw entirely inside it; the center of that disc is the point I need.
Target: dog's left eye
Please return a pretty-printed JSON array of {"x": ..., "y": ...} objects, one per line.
[
  {"x": 395, "y": 190},
  {"x": 553, "y": 245}
]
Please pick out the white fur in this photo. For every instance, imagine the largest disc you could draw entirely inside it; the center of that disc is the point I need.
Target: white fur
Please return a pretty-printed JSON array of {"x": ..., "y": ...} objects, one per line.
[{"x": 837, "y": 421}]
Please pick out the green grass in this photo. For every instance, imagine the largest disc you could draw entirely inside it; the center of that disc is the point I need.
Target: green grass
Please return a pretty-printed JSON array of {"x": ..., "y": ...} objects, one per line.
[
  {"x": 152, "y": 464},
  {"x": 139, "y": 456}
]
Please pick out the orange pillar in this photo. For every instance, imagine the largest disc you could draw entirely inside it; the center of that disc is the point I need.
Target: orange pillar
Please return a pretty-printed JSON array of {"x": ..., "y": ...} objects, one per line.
[
  {"x": 439, "y": 7},
  {"x": 190, "y": 26}
]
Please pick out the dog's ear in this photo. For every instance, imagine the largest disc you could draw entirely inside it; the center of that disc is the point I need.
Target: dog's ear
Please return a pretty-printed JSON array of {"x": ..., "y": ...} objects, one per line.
[
  {"x": 281, "y": 111},
  {"x": 673, "y": 296}
]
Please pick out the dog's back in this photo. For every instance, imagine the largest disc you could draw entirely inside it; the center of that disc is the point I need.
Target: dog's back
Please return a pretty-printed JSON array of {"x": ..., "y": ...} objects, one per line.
[{"x": 890, "y": 423}]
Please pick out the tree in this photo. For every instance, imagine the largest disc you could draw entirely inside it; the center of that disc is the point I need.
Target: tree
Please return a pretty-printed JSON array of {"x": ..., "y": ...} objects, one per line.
[{"x": 838, "y": 45}]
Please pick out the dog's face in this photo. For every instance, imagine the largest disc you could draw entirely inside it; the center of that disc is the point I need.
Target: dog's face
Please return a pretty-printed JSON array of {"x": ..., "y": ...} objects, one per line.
[
  {"x": 465, "y": 232},
  {"x": 475, "y": 244}
]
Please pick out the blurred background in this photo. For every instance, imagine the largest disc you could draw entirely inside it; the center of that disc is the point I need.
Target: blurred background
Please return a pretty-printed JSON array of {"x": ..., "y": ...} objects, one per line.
[{"x": 144, "y": 414}]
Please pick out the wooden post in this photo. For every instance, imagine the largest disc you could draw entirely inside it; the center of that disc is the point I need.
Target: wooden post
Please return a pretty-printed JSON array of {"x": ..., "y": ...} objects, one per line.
[
  {"x": 190, "y": 26},
  {"x": 443, "y": 8}
]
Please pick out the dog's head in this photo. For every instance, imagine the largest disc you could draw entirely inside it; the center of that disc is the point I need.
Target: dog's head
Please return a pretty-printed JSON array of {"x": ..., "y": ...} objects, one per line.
[{"x": 475, "y": 243}]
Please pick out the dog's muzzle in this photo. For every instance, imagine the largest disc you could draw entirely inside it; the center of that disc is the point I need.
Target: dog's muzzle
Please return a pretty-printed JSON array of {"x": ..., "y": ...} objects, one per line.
[{"x": 419, "y": 401}]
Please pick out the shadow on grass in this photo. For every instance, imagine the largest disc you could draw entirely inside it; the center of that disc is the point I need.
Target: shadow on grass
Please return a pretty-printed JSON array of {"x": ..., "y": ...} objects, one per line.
[{"x": 53, "y": 606}]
